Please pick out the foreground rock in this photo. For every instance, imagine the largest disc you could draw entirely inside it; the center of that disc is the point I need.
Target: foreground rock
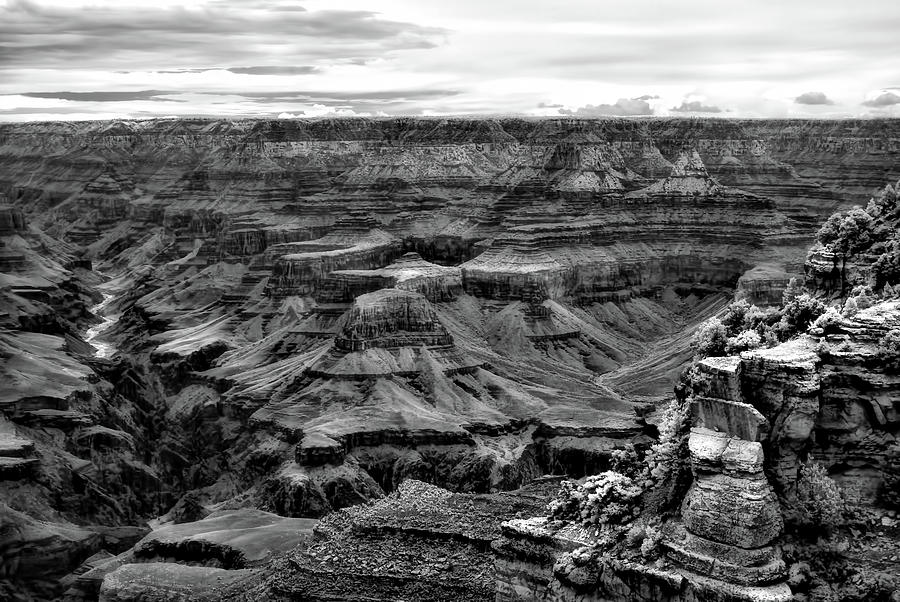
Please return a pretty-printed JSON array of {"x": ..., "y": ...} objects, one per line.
[{"x": 420, "y": 543}]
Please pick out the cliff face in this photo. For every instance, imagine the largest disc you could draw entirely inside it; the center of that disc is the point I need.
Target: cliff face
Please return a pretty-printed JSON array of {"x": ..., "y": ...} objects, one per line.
[{"x": 836, "y": 402}]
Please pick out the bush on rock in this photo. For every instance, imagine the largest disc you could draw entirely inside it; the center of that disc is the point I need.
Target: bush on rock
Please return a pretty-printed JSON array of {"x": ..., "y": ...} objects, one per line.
[{"x": 606, "y": 498}]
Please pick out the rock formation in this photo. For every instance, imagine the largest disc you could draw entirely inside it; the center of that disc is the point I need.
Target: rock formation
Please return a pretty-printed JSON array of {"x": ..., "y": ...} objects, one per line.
[{"x": 730, "y": 518}]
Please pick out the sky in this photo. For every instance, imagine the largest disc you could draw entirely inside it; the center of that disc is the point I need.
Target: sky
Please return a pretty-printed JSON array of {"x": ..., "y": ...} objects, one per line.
[{"x": 109, "y": 59}]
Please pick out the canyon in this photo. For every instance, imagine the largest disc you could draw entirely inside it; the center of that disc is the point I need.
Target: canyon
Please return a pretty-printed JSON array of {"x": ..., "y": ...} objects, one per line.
[{"x": 303, "y": 359}]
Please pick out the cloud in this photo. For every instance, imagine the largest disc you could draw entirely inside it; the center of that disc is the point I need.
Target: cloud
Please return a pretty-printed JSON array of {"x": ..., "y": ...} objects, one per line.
[
  {"x": 622, "y": 107},
  {"x": 108, "y": 96},
  {"x": 886, "y": 99},
  {"x": 322, "y": 97},
  {"x": 33, "y": 35},
  {"x": 255, "y": 70},
  {"x": 274, "y": 70},
  {"x": 373, "y": 96},
  {"x": 695, "y": 106},
  {"x": 231, "y": 56},
  {"x": 813, "y": 98},
  {"x": 547, "y": 105}
]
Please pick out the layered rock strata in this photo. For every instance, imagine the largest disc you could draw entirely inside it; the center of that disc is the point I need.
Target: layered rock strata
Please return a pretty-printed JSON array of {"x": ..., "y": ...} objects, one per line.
[
  {"x": 679, "y": 230},
  {"x": 410, "y": 272},
  {"x": 300, "y": 268}
]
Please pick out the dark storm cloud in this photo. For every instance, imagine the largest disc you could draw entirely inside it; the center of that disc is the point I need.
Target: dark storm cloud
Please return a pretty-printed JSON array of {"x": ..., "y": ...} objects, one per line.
[
  {"x": 695, "y": 106},
  {"x": 105, "y": 96},
  {"x": 884, "y": 100},
  {"x": 33, "y": 35},
  {"x": 813, "y": 98},
  {"x": 622, "y": 107}
]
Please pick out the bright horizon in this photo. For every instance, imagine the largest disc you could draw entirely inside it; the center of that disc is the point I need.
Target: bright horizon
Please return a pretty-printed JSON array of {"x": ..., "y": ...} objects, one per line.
[{"x": 99, "y": 59}]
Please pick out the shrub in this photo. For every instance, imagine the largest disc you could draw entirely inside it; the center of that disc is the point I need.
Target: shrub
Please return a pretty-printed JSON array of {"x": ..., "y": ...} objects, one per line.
[
  {"x": 818, "y": 497},
  {"x": 873, "y": 208},
  {"x": 652, "y": 538},
  {"x": 848, "y": 232},
  {"x": 668, "y": 473},
  {"x": 748, "y": 339},
  {"x": 626, "y": 462},
  {"x": 830, "y": 230},
  {"x": 886, "y": 268},
  {"x": 798, "y": 314},
  {"x": 735, "y": 315},
  {"x": 755, "y": 318},
  {"x": 889, "y": 345},
  {"x": 791, "y": 291},
  {"x": 887, "y": 200},
  {"x": 673, "y": 428},
  {"x": 690, "y": 382},
  {"x": 827, "y": 323},
  {"x": 851, "y": 308},
  {"x": 710, "y": 339},
  {"x": 606, "y": 498},
  {"x": 864, "y": 296}
]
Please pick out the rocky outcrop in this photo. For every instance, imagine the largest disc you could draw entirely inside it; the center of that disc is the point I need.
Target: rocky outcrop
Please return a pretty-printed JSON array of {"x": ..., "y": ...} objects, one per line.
[
  {"x": 828, "y": 398},
  {"x": 723, "y": 545},
  {"x": 764, "y": 285},
  {"x": 421, "y": 542},
  {"x": 537, "y": 560},
  {"x": 12, "y": 219},
  {"x": 35, "y": 554},
  {"x": 17, "y": 459},
  {"x": 227, "y": 539},
  {"x": 730, "y": 518},
  {"x": 688, "y": 178},
  {"x": 391, "y": 318}
]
